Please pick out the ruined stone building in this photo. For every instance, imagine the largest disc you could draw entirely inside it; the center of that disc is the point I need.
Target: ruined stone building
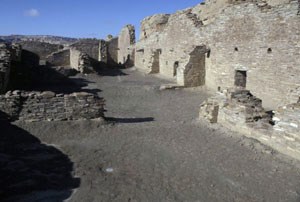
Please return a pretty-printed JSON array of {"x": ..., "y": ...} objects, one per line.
[
  {"x": 248, "y": 51},
  {"x": 214, "y": 41}
]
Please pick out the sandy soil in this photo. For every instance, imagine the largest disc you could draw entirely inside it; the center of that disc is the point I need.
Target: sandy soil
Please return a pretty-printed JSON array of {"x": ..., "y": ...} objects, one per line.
[{"x": 155, "y": 149}]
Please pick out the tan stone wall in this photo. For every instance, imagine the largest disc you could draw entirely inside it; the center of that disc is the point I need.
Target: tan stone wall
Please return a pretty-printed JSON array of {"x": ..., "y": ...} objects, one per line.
[
  {"x": 125, "y": 42},
  {"x": 259, "y": 38},
  {"x": 112, "y": 51},
  {"x": 39, "y": 106},
  {"x": 88, "y": 46},
  {"x": 74, "y": 58}
]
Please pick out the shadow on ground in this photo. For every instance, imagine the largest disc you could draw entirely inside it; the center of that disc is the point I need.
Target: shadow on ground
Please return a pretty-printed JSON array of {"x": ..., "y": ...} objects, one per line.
[
  {"x": 104, "y": 69},
  {"x": 129, "y": 120},
  {"x": 30, "y": 170}
]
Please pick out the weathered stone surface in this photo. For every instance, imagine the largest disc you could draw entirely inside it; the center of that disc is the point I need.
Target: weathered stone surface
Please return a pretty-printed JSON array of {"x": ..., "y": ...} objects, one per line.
[
  {"x": 80, "y": 61},
  {"x": 259, "y": 37},
  {"x": 39, "y": 106},
  {"x": 126, "y": 43},
  {"x": 42, "y": 49},
  {"x": 59, "y": 58},
  {"x": 89, "y": 47},
  {"x": 287, "y": 121},
  {"x": 5, "y": 67}
]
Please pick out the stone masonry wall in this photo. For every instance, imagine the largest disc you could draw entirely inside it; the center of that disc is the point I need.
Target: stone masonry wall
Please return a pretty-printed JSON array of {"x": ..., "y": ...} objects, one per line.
[
  {"x": 88, "y": 46},
  {"x": 80, "y": 61},
  {"x": 112, "y": 52},
  {"x": 39, "y": 106},
  {"x": 103, "y": 52},
  {"x": 258, "y": 37},
  {"x": 125, "y": 42},
  {"x": 42, "y": 49},
  {"x": 5, "y": 66},
  {"x": 240, "y": 111},
  {"x": 59, "y": 58}
]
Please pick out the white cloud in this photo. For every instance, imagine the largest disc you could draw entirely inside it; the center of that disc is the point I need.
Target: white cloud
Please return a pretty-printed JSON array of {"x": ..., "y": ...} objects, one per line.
[{"x": 32, "y": 13}]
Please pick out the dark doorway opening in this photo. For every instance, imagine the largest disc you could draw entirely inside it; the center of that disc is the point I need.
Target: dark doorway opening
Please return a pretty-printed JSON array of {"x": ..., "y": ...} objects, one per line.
[
  {"x": 175, "y": 67},
  {"x": 240, "y": 78}
]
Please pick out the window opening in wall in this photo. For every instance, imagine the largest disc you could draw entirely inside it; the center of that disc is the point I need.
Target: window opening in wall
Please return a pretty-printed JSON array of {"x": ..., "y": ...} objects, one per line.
[
  {"x": 236, "y": 49},
  {"x": 240, "y": 78},
  {"x": 166, "y": 62},
  {"x": 175, "y": 67},
  {"x": 208, "y": 53},
  {"x": 269, "y": 50}
]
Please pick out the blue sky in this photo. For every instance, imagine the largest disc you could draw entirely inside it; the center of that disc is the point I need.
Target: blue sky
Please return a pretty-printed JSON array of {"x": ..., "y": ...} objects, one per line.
[{"x": 80, "y": 18}]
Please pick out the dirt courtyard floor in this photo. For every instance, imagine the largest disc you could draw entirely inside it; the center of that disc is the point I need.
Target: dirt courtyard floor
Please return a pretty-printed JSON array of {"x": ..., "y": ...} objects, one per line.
[{"x": 153, "y": 148}]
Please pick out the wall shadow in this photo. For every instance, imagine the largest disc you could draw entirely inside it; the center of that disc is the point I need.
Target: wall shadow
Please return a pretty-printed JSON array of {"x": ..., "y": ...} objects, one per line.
[
  {"x": 29, "y": 75},
  {"x": 129, "y": 120},
  {"x": 103, "y": 69},
  {"x": 31, "y": 170}
]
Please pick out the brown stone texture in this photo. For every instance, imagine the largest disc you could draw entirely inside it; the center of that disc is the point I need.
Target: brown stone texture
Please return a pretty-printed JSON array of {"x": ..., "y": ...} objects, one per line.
[
  {"x": 259, "y": 37},
  {"x": 88, "y": 46},
  {"x": 126, "y": 43},
  {"x": 42, "y": 49},
  {"x": 5, "y": 67},
  {"x": 39, "y": 106},
  {"x": 59, "y": 58}
]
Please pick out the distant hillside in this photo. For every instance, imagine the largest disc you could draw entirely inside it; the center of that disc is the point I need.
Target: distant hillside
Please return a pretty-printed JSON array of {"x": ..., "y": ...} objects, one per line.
[{"x": 40, "y": 38}]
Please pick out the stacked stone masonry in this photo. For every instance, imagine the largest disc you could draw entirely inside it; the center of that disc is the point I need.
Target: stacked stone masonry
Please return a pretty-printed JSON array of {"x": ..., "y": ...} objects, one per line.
[
  {"x": 260, "y": 37},
  {"x": 5, "y": 62},
  {"x": 126, "y": 43},
  {"x": 40, "y": 106}
]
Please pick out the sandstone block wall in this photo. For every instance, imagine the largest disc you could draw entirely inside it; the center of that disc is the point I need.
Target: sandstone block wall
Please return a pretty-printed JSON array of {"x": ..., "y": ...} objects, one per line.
[
  {"x": 126, "y": 43},
  {"x": 259, "y": 37},
  {"x": 287, "y": 121},
  {"x": 153, "y": 24},
  {"x": 80, "y": 61},
  {"x": 39, "y": 106},
  {"x": 5, "y": 67},
  {"x": 112, "y": 52},
  {"x": 240, "y": 111},
  {"x": 59, "y": 58},
  {"x": 103, "y": 51},
  {"x": 88, "y": 46},
  {"x": 42, "y": 49}
]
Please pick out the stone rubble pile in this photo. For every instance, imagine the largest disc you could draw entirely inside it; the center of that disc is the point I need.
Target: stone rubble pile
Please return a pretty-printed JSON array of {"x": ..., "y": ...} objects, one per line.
[{"x": 234, "y": 106}]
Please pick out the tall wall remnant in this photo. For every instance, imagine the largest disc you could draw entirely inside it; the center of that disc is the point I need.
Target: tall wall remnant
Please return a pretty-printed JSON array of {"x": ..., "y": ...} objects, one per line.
[
  {"x": 259, "y": 38},
  {"x": 89, "y": 47},
  {"x": 126, "y": 44},
  {"x": 5, "y": 65},
  {"x": 80, "y": 61}
]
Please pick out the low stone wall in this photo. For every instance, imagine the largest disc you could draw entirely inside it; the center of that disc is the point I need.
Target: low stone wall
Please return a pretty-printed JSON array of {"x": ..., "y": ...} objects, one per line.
[
  {"x": 39, "y": 106},
  {"x": 242, "y": 112},
  {"x": 287, "y": 121}
]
